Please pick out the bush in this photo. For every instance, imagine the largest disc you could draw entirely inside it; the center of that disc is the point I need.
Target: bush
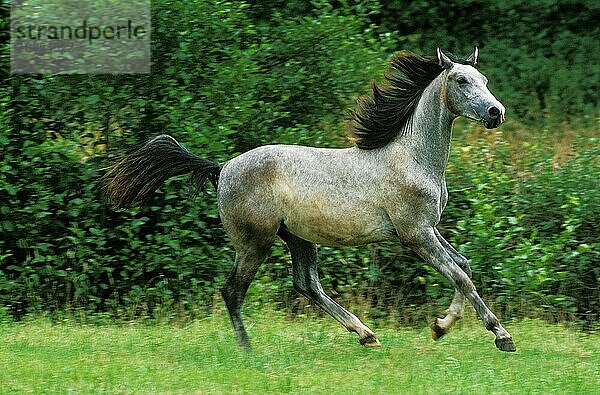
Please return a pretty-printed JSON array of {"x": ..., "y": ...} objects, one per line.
[
  {"x": 220, "y": 84},
  {"x": 226, "y": 78},
  {"x": 529, "y": 234}
]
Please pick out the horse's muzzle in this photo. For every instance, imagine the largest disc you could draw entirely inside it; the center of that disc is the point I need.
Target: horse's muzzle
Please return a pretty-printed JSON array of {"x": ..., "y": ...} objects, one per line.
[{"x": 494, "y": 117}]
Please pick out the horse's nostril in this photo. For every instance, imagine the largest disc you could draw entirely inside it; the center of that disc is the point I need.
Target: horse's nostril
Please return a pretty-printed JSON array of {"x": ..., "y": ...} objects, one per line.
[{"x": 494, "y": 112}]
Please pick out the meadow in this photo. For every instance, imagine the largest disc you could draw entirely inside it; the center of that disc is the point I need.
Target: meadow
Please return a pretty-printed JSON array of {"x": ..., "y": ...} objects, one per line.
[{"x": 301, "y": 355}]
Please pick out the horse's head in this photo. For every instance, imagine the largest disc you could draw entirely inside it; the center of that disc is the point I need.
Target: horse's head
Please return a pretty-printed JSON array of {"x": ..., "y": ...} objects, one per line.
[{"x": 467, "y": 94}]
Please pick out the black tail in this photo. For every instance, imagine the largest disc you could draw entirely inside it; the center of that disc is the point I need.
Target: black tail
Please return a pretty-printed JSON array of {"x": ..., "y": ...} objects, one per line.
[{"x": 139, "y": 174}]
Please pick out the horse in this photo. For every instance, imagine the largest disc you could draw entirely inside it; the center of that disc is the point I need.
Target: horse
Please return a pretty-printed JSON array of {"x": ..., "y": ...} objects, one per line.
[{"x": 390, "y": 185}]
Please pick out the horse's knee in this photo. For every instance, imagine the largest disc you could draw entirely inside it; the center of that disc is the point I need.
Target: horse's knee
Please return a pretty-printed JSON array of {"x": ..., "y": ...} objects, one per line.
[
  {"x": 463, "y": 263},
  {"x": 466, "y": 268},
  {"x": 306, "y": 291},
  {"x": 310, "y": 290},
  {"x": 462, "y": 282}
]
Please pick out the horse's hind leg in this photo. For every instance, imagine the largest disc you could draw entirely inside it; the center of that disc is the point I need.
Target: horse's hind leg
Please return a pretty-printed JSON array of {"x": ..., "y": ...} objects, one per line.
[
  {"x": 306, "y": 282},
  {"x": 441, "y": 326},
  {"x": 250, "y": 253}
]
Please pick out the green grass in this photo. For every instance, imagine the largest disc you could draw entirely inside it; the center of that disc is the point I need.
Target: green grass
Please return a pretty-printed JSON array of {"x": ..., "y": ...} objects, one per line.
[{"x": 307, "y": 355}]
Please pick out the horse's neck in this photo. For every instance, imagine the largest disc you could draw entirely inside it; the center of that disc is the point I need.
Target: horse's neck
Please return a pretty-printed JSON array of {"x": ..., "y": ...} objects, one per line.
[{"x": 430, "y": 131}]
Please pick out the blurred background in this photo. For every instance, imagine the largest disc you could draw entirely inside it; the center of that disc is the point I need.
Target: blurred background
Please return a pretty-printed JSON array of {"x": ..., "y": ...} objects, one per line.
[{"x": 230, "y": 76}]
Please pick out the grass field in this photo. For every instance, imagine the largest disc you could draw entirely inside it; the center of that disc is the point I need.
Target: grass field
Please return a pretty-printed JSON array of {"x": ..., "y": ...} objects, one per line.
[{"x": 306, "y": 355}]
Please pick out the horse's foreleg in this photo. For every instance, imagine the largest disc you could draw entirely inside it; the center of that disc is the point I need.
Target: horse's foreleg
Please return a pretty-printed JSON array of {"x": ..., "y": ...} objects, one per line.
[
  {"x": 425, "y": 242},
  {"x": 306, "y": 282},
  {"x": 456, "y": 256},
  {"x": 455, "y": 312}
]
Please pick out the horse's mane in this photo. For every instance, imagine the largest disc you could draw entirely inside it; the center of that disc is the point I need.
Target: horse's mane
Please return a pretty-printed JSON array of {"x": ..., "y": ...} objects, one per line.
[{"x": 386, "y": 111}]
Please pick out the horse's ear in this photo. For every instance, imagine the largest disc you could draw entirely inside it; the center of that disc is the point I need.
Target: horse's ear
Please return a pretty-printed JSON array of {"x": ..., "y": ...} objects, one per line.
[
  {"x": 444, "y": 61},
  {"x": 472, "y": 59}
]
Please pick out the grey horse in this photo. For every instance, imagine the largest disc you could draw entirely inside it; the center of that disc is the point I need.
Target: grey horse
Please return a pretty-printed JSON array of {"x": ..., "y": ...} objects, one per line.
[{"x": 389, "y": 186}]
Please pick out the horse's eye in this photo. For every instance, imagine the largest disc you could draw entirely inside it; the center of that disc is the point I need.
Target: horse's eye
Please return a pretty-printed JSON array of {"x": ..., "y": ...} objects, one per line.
[{"x": 461, "y": 80}]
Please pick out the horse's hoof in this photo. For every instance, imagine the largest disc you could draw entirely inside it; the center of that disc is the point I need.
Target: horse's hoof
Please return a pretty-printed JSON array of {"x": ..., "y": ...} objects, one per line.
[
  {"x": 370, "y": 341},
  {"x": 506, "y": 344},
  {"x": 437, "y": 331}
]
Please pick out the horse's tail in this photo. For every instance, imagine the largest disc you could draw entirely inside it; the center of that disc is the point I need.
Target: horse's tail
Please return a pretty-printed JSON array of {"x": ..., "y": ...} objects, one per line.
[{"x": 138, "y": 175}]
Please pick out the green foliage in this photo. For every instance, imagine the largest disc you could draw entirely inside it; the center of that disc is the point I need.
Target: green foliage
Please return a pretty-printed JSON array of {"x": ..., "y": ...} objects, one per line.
[
  {"x": 529, "y": 234},
  {"x": 230, "y": 76},
  {"x": 221, "y": 84}
]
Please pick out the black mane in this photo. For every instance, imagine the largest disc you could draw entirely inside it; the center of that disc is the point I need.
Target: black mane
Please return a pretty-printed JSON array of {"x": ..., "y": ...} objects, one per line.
[{"x": 384, "y": 113}]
